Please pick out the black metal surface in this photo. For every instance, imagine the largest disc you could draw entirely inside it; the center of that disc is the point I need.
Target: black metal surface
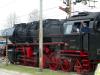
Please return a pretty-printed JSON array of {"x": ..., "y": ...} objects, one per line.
[{"x": 30, "y": 32}]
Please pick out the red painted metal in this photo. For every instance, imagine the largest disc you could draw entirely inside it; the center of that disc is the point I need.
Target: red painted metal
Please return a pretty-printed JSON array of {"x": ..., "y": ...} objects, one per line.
[
  {"x": 27, "y": 56},
  {"x": 46, "y": 61},
  {"x": 51, "y": 60},
  {"x": 78, "y": 66},
  {"x": 46, "y": 50},
  {"x": 86, "y": 65},
  {"x": 78, "y": 53},
  {"x": 20, "y": 48},
  {"x": 66, "y": 65},
  {"x": 29, "y": 52},
  {"x": 54, "y": 63}
]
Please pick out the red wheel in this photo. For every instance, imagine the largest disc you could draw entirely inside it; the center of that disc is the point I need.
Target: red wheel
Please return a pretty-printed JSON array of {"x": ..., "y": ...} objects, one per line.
[
  {"x": 78, "y": 67},
  {"x": 45, "y": 60},
  {"x": 87, "y": 66},
  {"x": 54, "y": 63},
  {"x": 66, "y": 65}
]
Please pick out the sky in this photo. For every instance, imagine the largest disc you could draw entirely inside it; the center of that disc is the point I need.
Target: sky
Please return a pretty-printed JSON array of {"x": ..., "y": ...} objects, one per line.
[{"x": 22, "y": 8}]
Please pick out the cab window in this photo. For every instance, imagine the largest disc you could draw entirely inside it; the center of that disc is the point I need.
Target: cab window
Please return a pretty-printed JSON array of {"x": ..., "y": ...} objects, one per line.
[{"x": 68, "y": 27}]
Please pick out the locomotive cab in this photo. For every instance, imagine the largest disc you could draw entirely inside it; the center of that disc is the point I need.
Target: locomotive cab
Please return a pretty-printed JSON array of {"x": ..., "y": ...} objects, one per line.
[{"x": 77, "y": 40}]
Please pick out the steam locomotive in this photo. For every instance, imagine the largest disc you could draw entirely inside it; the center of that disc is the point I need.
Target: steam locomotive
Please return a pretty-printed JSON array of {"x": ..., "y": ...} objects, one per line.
[{"x": 63, "y": 47}]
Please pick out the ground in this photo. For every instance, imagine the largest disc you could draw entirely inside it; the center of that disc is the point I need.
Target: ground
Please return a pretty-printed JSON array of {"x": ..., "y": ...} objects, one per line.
[
  {"x": 12, "y": 69},
  {"x": 24, "y": 70},
  {"x": 7, "y": 72}
]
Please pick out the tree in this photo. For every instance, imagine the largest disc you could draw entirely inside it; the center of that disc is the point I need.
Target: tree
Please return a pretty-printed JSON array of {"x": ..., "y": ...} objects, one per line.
[
  {"x": 34, "y": 15},
  {"x": 69, "y": 3},
  {"x": 12, "y": 19}
]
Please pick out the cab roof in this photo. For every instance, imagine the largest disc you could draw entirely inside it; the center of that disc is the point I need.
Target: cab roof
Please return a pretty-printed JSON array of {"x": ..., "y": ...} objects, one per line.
[{"x": 84, "y": 15}]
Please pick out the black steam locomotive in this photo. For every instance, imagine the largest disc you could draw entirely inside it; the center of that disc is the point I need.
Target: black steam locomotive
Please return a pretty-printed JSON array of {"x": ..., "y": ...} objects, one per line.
[{"x": 65, "y": 46}]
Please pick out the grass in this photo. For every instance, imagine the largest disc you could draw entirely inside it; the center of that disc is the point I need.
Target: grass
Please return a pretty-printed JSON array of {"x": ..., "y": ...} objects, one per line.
[{"x": 32, "y": 71}]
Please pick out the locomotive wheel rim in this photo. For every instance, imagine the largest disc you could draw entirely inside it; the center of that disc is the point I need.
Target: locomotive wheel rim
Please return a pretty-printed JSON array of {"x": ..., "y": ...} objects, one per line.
[
  {"x": 66, "y": 66},
  {"x": 78, "y": 67},
  {"x": 45, "y": 60},
  {"x": 79, "y": 70},
  {"x": 53, "y": 66},
  {"x": 54, "y": 63},
  {"x": 88, "y": 67}
]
